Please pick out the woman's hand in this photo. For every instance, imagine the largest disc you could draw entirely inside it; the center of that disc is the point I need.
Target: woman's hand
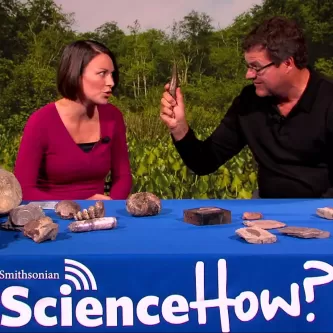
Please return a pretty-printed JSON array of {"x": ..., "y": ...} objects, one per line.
[{"x": 99, "y": 197}]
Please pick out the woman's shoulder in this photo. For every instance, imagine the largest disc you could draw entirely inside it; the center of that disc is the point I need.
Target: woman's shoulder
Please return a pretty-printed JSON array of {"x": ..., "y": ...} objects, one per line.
[
  {"x": 110, "y": 111},
  {"x": 43, "y": 113}
]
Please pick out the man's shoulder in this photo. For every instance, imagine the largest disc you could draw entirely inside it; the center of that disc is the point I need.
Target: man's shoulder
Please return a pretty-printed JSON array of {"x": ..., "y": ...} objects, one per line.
[
  {"x": 324, "y": 83},
  {"x": 247, "y": 99}
]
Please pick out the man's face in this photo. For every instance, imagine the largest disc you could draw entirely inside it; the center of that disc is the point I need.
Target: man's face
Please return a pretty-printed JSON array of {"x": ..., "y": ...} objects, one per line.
[{"x": 267, "y": 78}]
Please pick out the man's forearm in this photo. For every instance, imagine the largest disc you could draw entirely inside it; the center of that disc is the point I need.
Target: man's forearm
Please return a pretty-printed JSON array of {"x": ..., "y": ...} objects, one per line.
[{"x": 180, "y": 133}]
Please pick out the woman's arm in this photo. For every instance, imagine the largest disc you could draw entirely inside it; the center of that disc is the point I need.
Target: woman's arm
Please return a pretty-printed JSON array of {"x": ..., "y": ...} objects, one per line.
[{"x": 29, "y": 157}]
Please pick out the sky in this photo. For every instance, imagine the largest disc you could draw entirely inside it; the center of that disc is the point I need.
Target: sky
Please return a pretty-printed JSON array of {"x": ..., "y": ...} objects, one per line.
[{"x": 90, "y": 14}]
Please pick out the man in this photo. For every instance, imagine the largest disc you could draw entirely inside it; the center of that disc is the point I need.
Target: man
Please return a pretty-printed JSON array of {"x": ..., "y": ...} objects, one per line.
[{"x": 285, "y": 117}]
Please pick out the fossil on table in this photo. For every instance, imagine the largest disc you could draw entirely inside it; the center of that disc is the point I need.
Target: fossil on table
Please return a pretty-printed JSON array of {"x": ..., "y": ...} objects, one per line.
[
  {"x": 67, "y": 209},
  {"x": 256, "y": 235},
  {"x": 21, "y": 215},
  {"x": 100, "y": 223},
  {"x": 143, "y": 204},
  {"x": 304, "y": 232},
  {"x": 10, "y": 192},
  {"x": 252, "y": 216},
  {"x": 265, "y": 224},
  {"x": 41, "y": 229},
  {"x": 95, "y": 211},
  {"x": 325, "y": 212}
]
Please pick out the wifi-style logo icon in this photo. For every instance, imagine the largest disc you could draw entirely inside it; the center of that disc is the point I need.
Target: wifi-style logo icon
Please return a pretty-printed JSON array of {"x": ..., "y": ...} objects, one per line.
[{"x": 80, "y": 275}]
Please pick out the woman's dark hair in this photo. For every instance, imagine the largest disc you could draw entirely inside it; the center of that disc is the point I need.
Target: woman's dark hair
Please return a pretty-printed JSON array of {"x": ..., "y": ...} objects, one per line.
[
  {"x": 74, "y": 59},
  {"x": 282, "y": 38}
]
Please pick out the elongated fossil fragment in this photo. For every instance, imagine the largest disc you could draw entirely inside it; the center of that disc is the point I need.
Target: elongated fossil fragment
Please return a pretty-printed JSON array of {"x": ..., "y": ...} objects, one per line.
[
  {"x": 265, "y": 224},
  {"x": 174, "y": 81},
  {"x": 102, "y": 223}
]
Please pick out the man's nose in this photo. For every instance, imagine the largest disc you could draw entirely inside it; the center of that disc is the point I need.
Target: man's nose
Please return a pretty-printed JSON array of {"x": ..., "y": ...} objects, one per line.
[{"x": 250, "y": 74}]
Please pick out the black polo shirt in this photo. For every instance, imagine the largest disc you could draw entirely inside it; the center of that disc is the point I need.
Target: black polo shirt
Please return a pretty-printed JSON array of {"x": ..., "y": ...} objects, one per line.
[{"x": 294, "y": 153}]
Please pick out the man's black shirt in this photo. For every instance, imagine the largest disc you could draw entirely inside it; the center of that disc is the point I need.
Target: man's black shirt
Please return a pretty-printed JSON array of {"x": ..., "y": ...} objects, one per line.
[{"x": 294, "y": 153}]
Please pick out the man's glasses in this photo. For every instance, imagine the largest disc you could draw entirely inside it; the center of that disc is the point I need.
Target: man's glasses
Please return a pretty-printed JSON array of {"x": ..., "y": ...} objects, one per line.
[{"x": 258, "y": 70}]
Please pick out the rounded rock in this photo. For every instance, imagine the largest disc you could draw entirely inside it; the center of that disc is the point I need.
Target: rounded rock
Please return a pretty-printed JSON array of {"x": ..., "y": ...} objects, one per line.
[
  {"x": 143, "y": 204},
  {"x": 10, "y": 192}
]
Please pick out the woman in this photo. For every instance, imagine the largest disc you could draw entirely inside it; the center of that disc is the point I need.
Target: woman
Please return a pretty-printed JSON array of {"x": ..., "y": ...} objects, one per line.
[{"x": 69, "y": 146}]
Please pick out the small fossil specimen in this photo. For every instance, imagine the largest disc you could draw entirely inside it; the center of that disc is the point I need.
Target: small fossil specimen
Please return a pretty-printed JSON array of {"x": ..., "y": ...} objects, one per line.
[
  {"x": 252, "y": 216},
  {"x": 41, "y": 229},
  {"x": 20, "y": 216},
  {"x": 265, "y": 224},
  {"x": 256, "y": 235},
  {"x": 304, "y": 232},
  {"x": 143, "y": 204},
  {"x": 96, "y": 211},
  {"x": 67, "y": 209},
  {"x": 325, "y": 212}
]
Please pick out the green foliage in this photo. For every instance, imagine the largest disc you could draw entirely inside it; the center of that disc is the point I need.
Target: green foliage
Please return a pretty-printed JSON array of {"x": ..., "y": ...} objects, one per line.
[
  {"x": 211, "y": 73},
  {"x": 158, "y": 168}
]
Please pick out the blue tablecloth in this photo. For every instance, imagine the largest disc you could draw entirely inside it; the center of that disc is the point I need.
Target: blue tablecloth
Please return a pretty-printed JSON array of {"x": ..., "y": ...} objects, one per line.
[{"x": 159, "y": 274}]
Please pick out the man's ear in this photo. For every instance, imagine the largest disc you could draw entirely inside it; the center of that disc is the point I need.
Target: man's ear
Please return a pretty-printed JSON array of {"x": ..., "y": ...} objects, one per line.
[{"x": 289, "y": 64}]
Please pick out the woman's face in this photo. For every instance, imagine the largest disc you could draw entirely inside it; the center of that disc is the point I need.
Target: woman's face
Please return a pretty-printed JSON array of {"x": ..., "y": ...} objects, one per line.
[{"x": 97, "y": 80}]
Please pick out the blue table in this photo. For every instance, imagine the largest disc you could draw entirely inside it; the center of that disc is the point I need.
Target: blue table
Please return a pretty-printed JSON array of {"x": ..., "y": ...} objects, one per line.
[{"x": 159, "y": 274}]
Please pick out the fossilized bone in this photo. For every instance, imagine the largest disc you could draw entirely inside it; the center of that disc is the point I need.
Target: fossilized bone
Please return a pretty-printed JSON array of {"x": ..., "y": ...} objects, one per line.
[
  {"x": 20, "y": 216},
  {"x": 94, "y": 224},
  {"x": 67, "y": 209},
  {"x": 41, "y": 229},
  {"x": 96, "y": 211}
]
